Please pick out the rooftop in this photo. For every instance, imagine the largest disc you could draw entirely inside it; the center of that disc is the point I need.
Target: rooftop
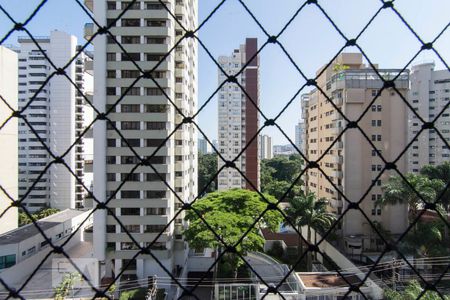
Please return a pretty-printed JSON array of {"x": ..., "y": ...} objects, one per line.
[
  {"x": 291, "y": 239},
  {"x": 27, "y": 231},
  {"x": 327, "y": 279}
]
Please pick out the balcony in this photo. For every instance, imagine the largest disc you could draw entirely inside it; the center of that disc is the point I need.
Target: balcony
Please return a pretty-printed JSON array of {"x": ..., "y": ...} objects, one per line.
[{"x": 88, "y": 30}]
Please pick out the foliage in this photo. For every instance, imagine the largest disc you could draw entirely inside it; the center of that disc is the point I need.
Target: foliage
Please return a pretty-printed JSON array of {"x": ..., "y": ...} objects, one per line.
[
  {"x": 66, "y": 285},
  {"x": 440, "y": 172},
  {"x": 207, "y": 168},
  {"x": 276, "y": 250},
  {"x": 340, "y": 67},
  {"x": 396, "y": 190},
  {"x": 412, "y": 292},
  {"x": 45, "y": 212},
  {"x": 426, "y": 240},
  {"x": 230, "y": 214},
  {"x": 278, "y": 173},
  {"x": 306, "y": 210},
  {"x": 135, "y": 294}
]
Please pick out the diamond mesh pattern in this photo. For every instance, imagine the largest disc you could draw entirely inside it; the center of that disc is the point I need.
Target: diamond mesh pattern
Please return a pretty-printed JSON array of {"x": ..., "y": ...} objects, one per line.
[{"x": 273, "y": 40}]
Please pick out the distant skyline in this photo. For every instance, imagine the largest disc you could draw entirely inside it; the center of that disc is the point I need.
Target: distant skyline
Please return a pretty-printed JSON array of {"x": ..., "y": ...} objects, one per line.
[{"x": 310, "y": 40}]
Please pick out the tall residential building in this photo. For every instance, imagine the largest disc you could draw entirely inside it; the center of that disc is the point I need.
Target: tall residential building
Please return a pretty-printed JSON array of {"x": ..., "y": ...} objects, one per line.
[
  {"x": 287, "y": 150},
  {"x": 203, "y": 147},
  {"x": 430, "y": 92},
  {"x": 238, "y": 117},
  {"x": 146, "y": 118},
  {"x": 56, "y": 114},
  {"x": 265, "y": 147},
  {"x": 8, "y": 138},
  {"x": 352, "y": 164},
  {"x": 299, "y": 135}
]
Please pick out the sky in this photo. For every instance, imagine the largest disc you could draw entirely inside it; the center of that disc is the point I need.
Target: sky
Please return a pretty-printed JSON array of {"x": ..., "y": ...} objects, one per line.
[{"x": 310, "y": 40}]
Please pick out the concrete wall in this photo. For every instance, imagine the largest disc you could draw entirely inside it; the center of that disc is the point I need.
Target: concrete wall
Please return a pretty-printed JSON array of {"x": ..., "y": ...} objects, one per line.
[
  {"x": 16, "y": 275},
  {"x": 8, "y": 138},
  {"x": 343, "y": 263}
]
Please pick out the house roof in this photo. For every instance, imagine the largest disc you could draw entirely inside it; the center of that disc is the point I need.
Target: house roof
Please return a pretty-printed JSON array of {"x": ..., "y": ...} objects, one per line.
[
  {"x": 291, "y": 239},
  {"x": 327, "y": 279}
]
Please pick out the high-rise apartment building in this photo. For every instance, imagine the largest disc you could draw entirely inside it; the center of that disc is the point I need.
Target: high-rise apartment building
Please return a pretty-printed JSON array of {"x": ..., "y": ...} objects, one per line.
[
  {"x": 351, "y": 163},
  {"x": 265, "y": 147},
  {"x": 56, "y": 115},
  {"x": 299, "y": 135},
  {"x": 238, "y": 117},
  {"x": 203, "y": 147},
  {"x": 8, "y": 138},
  {"x": 146, "y": 118},
  {"x": 430, "y": 92}
]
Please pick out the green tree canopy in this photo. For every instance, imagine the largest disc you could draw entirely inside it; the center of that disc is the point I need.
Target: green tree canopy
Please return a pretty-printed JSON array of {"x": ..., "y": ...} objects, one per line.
[
  {"x": 230, "y": 214},
  {"x": 45, "y": 212},
  {"x": 440, "y": 172},
  {"x": 396, "y": 190},
  {"x": 207, "y": 168},
  {"x": 412, "y": 292},
  {"x": 278, "y": 174}
]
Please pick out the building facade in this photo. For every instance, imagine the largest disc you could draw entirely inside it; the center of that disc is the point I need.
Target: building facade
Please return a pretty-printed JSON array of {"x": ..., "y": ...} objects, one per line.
[
  {"x": 352, "y": 164},
  {"x": 203, "y": 147},
  {"x": 8, "y": 139},
  {"x": 238, "y": 117},
  {"x": 145, "y": 117},
  {"x": 56, "y": 115},
  {"x": 265, "y": 147},
  {"x": 430, "y": 92},
  {"x": 287, "y": 150},
  {"x": 299, "y": 135}
]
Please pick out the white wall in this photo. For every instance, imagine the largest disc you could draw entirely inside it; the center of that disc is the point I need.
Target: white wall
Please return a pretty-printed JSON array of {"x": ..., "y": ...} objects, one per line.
[
  {"x": 8, "y": 138},
  {"x": 62, "y": 121}
]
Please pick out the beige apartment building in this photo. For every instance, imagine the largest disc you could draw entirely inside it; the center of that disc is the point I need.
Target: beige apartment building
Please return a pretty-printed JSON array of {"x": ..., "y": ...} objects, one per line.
[
  {"x": 351, "y": 163},
  {"x": 146, "y": 118}
]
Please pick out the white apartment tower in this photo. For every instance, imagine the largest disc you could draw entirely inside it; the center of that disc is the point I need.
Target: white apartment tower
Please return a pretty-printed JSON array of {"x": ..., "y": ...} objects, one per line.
[
  {"x": 430, "y": 92},
  {"x": 146, "y": 118},
  {"x": 265, "y": 147},
  {"x": 56, "y": 114},
  {"x": 238, "y": 117},
  {"x": 8, "y": 138}
]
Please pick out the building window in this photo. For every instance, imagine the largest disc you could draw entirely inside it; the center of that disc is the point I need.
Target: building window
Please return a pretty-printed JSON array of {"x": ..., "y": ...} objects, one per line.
[
  {"x": 110, "y": 56},
  {"x": 131, "y": 56},
  {"x": 156, "y": 125},
  {"x": 130, "y": 125},
  {"x": 133, "y": 108},
  {"x": 131, "y": 22},
  {"x": 153, "y": 92},
  {"x": 111, "y": 91},
  {"x": 7, "y": 261},
  {"x": 156, "y": 108},
  {"x": 130, "y": 211},
  {"x": 132, "y": 39}
]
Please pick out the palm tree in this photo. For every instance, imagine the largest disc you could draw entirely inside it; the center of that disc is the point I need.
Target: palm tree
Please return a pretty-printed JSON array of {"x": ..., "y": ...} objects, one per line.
[
  {"x": 440, "y": 172},
  {"x": 397, "y": 191},
  {"x": 306, "y": 210}
]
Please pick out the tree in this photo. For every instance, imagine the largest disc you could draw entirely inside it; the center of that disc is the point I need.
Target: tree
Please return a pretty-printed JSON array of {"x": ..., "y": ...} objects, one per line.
[
  {"x": 440, "y": 172},
  {"x": 207, "y": 168},
  {"x": 412, "y": 292},
  {"x": 278, "y": 174},
  {"x": 306, "y": 210},
  {"x": 45, "y": 212},
  {"x": 397, "y": 191},
  {"x": 230, "y": 214},
  {"x": 66, "y": 285}
]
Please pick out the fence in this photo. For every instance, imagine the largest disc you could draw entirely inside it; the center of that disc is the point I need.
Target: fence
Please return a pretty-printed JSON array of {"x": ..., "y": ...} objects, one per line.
[{"x": 103, "y": 116}]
